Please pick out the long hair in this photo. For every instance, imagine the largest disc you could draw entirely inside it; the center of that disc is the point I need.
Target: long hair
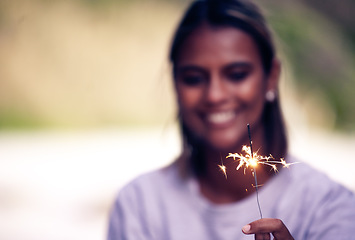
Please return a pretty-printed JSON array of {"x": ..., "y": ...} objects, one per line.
[{"x": 242, "y": 15}]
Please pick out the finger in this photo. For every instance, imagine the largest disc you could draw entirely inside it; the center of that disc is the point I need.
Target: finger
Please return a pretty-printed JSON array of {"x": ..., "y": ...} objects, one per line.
[
  {"x": 268, "y": 225},
  {"x": 262, "y": 236}
]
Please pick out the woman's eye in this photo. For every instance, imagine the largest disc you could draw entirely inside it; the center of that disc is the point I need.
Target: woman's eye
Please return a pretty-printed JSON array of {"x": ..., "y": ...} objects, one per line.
[
  {"x": 238, "y": 76},
  {"x": 192, "y": 80}
]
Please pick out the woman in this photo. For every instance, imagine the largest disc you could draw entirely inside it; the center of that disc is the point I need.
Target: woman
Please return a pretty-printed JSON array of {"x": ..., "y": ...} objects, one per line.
[{"x": 226, "y": 74}]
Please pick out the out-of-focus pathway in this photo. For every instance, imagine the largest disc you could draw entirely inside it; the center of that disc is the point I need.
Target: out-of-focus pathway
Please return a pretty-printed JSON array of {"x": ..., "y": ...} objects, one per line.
[{"x": 60, "y": 185}]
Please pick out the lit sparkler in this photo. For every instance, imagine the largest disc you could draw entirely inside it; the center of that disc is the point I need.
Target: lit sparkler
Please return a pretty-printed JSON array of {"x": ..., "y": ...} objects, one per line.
[{"x": 252, "y": 159}]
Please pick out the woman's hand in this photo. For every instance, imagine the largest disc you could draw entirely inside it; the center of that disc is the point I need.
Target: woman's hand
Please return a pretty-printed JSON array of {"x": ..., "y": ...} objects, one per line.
[{"x": 263, "y": 227}]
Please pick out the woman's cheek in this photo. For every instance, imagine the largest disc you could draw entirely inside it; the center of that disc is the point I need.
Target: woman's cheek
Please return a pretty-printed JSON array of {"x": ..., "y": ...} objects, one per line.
[{"x": 188, "y": 98}]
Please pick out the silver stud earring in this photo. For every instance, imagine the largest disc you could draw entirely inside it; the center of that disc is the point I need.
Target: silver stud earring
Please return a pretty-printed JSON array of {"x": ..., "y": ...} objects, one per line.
[{"x": 270, "y": 96}]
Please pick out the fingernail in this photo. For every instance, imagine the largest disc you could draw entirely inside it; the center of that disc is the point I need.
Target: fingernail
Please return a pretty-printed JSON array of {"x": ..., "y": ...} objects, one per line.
[{"x": 246, "y": 228}]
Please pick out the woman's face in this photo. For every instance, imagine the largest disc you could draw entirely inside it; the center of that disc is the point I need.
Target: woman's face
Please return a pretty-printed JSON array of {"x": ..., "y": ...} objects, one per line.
[{"x": 220, "y": 86}]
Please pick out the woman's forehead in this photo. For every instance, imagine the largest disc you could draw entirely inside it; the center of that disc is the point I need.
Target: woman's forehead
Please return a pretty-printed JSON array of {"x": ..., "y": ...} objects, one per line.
[{"x": 217, "y": 44}]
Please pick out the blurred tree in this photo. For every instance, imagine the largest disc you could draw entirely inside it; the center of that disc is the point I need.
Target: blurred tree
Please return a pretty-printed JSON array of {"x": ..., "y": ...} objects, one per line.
[{"x": 318, "y": 39}]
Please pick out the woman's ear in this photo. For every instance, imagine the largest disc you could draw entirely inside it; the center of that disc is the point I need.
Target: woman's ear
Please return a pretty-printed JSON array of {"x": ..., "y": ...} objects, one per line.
[
  {"x": 274, "y": 75},
  {"x": 272, "y": 81}
]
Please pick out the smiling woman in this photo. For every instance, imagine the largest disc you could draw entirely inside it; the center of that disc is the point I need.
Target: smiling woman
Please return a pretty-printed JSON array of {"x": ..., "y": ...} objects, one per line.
[
  {"x": 226, "y": 74},
  {"x": 221, "y": 85}
]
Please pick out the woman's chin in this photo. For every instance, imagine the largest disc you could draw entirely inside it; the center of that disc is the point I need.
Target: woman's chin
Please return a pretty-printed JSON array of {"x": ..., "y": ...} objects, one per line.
[{"x": 224, "y": 146}]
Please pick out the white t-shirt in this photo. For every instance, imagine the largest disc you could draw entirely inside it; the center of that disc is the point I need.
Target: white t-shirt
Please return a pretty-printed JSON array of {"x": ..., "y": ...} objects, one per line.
[{"x": 160, "y": 205}]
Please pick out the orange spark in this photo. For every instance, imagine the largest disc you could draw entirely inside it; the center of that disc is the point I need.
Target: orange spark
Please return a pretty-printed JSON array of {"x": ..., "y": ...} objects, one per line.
[
  {"x": 253, "y": 160},
  {"x": 223, "y": 169}
]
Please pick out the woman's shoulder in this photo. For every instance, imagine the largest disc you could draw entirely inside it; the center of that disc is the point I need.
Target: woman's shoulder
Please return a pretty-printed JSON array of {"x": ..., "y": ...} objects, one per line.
[
  {"x": 321, "y": 201},
  {"x": 314, "y": 185}
]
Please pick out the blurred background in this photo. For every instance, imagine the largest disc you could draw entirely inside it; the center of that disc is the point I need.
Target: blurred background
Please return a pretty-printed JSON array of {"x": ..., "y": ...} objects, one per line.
[{"x": 86, "y": 102}]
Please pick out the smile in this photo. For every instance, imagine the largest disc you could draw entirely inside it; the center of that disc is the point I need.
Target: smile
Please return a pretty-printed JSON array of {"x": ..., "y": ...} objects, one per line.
[{"x": 220, "y": 117}]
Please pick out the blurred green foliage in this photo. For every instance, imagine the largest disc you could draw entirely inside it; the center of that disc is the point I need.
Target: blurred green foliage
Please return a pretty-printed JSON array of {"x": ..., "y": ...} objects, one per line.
[
  {"x": 321, "y": 52},
  {"x": 20, "y": 121}
]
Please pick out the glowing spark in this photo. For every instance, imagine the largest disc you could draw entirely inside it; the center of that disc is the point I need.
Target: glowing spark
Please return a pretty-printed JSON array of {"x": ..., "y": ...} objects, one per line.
[
  {"x": 253, "y": 162},
  {"x": 223, "y": 169},
  {"x": 247, "y": 160}
]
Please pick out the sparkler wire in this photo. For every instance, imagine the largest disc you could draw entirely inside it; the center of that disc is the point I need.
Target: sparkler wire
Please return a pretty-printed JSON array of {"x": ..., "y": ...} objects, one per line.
[{"x": 254, "y": 168}]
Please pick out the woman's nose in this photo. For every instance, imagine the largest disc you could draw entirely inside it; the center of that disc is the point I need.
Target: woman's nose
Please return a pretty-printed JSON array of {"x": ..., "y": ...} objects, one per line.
[{"x": 216, "y": 91}]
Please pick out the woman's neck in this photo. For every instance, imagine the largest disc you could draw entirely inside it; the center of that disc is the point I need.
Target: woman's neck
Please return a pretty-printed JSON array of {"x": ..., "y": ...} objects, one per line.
[{"x": 233, "y": 185}]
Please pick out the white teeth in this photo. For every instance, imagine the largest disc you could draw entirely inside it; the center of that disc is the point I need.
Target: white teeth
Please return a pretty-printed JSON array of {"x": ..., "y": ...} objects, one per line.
[{"x": 220, "y": 117}]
